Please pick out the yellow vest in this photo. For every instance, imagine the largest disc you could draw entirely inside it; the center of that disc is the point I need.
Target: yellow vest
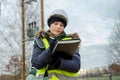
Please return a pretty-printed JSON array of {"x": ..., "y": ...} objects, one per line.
[{"x": 56, "y": 74}]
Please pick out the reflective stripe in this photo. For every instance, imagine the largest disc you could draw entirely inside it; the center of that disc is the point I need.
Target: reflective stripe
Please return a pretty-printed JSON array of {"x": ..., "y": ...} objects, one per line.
[
  {"x": 45, "y": 42},
  {"x": 54, "y": 78},
  {"x": 63, "y": 72},
  {"x": 42, "y": 71},
  {"x": 67, "y": 38}
]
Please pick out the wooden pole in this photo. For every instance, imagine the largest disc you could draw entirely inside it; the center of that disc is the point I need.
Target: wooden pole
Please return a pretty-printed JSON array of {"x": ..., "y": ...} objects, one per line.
[
  {"x": 23, "y": 42},
  {"x": 42, "y": 15}
]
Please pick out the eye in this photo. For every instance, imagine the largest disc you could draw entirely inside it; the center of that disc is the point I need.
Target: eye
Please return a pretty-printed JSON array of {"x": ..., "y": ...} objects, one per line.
[
  {"x": 61, "y": 25},
  {"x": 56, "y": 23}
]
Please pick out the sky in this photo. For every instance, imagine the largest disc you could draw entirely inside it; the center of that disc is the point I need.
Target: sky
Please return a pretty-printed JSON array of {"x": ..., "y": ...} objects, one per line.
[{"x": 93, "y": 20}]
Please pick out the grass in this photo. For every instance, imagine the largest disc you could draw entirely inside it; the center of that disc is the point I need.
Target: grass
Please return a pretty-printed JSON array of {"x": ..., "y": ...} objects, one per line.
[{"x": 101, "y": 78}]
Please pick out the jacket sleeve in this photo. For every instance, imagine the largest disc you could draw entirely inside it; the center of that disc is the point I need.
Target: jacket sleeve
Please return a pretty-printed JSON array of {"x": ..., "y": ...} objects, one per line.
[
  {"x": 72, "y": 65},
  {"x": 39, "y": 59}
]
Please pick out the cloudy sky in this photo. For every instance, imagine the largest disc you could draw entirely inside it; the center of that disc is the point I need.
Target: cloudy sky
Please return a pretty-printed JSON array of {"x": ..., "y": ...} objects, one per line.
[{"x": 92, "y": 20}]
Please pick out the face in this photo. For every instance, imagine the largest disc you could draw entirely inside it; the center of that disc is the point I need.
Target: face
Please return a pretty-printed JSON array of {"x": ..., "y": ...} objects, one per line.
[{"x": 56, "y": 28}]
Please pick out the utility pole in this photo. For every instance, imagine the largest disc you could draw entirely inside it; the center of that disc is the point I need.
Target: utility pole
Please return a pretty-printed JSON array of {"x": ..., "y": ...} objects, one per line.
[
  {"x": 23, "y": 38},
  {"x": 23, "y": 33},
  {"x": 42, "y": 15}
]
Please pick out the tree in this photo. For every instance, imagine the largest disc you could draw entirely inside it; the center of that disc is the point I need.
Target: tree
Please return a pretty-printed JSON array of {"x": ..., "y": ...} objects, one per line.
[
  {"x": 10, "y": 29},
  {"x": 114, "y": 43},
  {"x": 14, "y": 66}
]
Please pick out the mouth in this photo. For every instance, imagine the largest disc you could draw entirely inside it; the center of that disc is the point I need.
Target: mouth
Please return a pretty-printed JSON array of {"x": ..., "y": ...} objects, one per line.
[{"x": 57, "y": 31}]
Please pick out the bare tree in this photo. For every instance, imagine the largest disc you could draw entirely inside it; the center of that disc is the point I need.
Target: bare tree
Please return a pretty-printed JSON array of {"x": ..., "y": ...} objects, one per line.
[
  {"x": 13, "y": 67},
  {"x": 10, "y": 28},
  {"x": 114, "y": 43}
]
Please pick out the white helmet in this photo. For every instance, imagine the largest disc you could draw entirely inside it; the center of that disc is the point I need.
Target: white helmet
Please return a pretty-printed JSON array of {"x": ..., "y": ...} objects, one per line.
[{"x": 58, "y": 13}]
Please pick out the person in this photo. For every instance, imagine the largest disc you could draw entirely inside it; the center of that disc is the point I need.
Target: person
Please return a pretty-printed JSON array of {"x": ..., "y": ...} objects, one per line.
[{"x": 50, "y": 65}]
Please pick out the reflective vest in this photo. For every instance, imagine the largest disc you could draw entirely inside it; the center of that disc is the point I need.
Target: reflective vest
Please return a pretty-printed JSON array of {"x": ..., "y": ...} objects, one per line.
[{"x": 56, "y": 74}]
